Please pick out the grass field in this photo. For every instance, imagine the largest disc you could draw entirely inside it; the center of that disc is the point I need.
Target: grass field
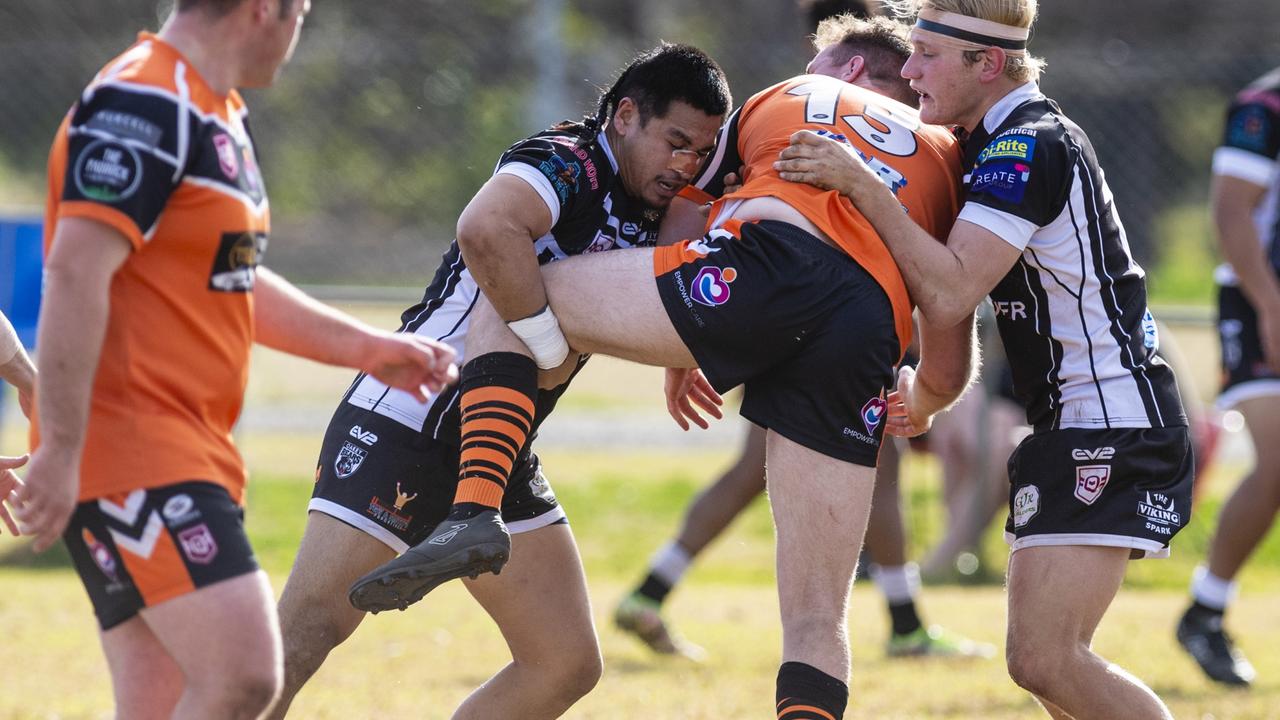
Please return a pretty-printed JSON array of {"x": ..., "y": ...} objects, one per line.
[{"x": 622, "y": 503}]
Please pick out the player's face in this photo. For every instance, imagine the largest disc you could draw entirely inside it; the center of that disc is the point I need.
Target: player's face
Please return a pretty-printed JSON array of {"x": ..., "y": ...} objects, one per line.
[
  {"x": 656, "y": 159},
  {"x": 278, "y": 40},
  {"x": 946, "y": 84}
]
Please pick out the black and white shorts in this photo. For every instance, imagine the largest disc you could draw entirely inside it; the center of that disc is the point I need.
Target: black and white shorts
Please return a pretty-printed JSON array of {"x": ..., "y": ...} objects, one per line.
[
  {"x": 1245, "y": 373},
  {"x": 397, "y": 484},
  {"x": 1128, "y": 487}
]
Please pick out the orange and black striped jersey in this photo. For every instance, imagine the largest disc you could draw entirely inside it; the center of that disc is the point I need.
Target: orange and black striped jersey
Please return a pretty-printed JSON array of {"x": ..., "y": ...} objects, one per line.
[
  {"x": 920, "y": 164},
  {"x": 153, "y": 152}
]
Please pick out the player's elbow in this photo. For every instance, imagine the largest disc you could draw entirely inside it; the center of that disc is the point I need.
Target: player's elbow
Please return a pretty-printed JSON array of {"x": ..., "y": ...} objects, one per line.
[{"x": 479, "y": 237}]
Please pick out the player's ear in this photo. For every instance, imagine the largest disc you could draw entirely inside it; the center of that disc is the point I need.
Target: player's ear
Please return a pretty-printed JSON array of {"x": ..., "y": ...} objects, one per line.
[
  {"x": 993, "y": 62},
  {"x": 854, "y": 68},
  {"x": 626, "y": 117}
]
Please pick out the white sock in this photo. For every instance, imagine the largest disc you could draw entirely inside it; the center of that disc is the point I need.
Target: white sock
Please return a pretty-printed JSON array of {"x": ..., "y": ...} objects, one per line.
[
  {"x": 670, "y": 563},
  {"x": 1212, "y": 591},
  {"x": 899, "y": 583}
]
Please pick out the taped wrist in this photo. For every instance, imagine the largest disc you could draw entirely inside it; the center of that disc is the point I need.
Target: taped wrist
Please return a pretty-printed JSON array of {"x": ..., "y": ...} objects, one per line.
[{"x": 541, "y": 334}]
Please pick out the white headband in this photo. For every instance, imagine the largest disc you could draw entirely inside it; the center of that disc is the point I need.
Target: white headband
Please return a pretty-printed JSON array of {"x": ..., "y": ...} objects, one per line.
[{"x": 970, "y": 33}]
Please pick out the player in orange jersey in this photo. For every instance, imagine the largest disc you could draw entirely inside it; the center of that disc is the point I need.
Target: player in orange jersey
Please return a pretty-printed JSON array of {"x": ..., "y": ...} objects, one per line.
[
  {"x": 156, "y": 224},
  {"x": 790, "y": 294}
]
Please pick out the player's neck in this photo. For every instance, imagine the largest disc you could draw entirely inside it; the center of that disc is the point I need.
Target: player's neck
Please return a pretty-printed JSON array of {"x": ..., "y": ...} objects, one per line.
[
  {"x": 992, "y": 94},
  {"x": 207, "y": 46}
]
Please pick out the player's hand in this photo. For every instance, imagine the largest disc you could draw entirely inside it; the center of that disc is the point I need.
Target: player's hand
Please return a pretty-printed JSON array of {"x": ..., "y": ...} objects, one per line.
[
  {"x": 1269, "y": 336},
  {"x": 904, "y": 419},
  {"x": 732, "y": 184},
  {"x": 9, "y": 484},
  {"x": 411, "y": 363},
  {"x": 46, "y": 498},
  {"x": 824, "y": 162},
  {"x": 687, "y": 390}
]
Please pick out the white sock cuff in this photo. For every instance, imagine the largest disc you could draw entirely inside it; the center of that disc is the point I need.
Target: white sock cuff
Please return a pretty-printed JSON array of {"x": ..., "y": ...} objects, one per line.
[
  {"x": 899, "y": 583},
  {"x": 1211, "y": 590},
  {"x": 670, "y": 563}
]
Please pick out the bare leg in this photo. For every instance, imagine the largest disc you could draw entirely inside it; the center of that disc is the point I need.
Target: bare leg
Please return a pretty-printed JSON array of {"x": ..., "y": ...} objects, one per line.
[
  {"x": 1057, "y": 597},
  {"x": 886, "y": 537},
  {"x": 315, "y": 616},
  {"x": 226, "y": 640},
  {"x": 540, "y": 604},
  {"x": 146, "y": 681},
  {"x": 1248, "y": 514}
]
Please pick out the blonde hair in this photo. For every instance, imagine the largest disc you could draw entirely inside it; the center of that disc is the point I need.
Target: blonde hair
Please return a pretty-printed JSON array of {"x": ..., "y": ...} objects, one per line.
[{"x": 1018, "y": 13}]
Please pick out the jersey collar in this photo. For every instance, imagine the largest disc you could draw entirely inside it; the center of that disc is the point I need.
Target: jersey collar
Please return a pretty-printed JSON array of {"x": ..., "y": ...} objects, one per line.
[
  {"x": 1005, "y": 105},
  {"x": 608, "y": 151}
]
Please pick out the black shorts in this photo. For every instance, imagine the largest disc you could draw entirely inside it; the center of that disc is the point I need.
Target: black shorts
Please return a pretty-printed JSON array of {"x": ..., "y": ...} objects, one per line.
[
  {"x": 808, "y": 332},
  {"x": 397, "y": 484},
  {"x": 142, "y": 548},
  {"x": 1128, "y": 487},
  {"x": 1245, "y": 373}
]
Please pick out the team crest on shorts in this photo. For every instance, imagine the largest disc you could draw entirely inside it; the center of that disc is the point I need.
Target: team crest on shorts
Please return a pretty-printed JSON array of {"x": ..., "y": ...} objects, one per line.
[
  {"x": 873, "y": 412},
  {"x": 1026, "y": 505},
  {"x": 1091, "y": 480},
  {"x": 349, "y": 459},
  {"x": 102, "y": 557},
  {"x": 198, "y": 544}
]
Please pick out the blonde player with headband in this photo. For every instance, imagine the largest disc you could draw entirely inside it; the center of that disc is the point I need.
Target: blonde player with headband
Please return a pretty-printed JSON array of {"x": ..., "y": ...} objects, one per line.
[{"x": 1106, "y": 476}]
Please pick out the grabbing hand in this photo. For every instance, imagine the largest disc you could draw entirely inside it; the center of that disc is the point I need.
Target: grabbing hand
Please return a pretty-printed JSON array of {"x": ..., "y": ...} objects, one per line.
[
  {"x": 411, "y": 363},
  {"x": 46, "y": 498},
  {"x": 904, "y": 419},
  {"x": 9, "y": 486},
  {"x": 823, "y": 162},
  {"x": 685, "y": 388}
]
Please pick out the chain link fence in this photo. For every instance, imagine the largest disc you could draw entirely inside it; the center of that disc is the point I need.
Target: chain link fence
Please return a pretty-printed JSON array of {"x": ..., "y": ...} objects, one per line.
[{"x": 393, "y": 111}]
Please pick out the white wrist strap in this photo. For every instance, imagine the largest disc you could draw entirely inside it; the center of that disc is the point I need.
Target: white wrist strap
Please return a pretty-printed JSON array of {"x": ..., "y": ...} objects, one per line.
[{"x": 541, "y": 333}]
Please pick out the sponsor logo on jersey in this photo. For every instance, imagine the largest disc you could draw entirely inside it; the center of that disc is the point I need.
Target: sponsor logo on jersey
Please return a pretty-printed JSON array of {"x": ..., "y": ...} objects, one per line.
[
  {"x": 1150, "y": 332},
  {"x": 179, "y": 510},
  {"x": 126, "y": 126},
  {"x": 1012, "y": 309},
  {"x": 1248, "y": 129},
  {"x": 1003, "y": 180},
  {"x": 108, "y": 171},
  {"x": 873, "y": 413},
  {"x": 710, "y": 286},
  {"x": 366, "y": 437},
  {"x": 226, "y": 150},
  {"x": 198, "y": 544},
  {"x": 1102, "y": 453},
  {"x": 1232, "y": 347},
  {"x": 102, "y": 557},
  {"x": 403, "y": 498},
  {"x": 388, "y": 515},
  {"x": 348, "y": 461},
  {"x": 1007, "y": 147},
  {"x": 1026, "y": 505},
  {"x": 236, "y": 262},
  {"x": 1091, "y": 480},
  {"x": 562, "y": 174},
  {"x": 1159, "y": 509},
  {"x": 541, "y": 488}
]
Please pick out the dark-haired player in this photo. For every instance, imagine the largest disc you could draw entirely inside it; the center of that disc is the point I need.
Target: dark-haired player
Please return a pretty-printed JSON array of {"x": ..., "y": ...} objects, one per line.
[{"x": 389, "y": 464}]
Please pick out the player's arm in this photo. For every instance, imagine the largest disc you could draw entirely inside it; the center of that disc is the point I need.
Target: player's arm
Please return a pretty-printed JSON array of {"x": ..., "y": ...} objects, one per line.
[
  {"x": 946, "y": 281},
  {"x": 948, "y": 364},
  {"x": 289, "y": 320},
  {"x": 15, "y": 366},
  {"x": 84, "y": 257}
]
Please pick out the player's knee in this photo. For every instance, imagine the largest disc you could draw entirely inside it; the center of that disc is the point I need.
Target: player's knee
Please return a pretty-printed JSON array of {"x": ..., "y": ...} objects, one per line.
[
  {"x": 254, "y": 692},
  {"x": 308, "y": 637},
  {"x": 1034, "y": 667},
  {"x": 580, "y": 673}
]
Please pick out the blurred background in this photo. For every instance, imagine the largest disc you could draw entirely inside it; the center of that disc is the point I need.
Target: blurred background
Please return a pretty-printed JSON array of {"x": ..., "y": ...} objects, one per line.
[{"x": 393, "y": 112}]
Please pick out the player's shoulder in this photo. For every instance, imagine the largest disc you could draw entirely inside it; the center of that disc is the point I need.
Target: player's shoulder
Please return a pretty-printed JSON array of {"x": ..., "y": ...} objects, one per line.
[{"x": 1035, "y": 130}]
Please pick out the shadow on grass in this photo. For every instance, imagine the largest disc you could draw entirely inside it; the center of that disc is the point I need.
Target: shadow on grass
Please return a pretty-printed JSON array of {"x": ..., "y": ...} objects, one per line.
[{"x": 23, "y": 557}]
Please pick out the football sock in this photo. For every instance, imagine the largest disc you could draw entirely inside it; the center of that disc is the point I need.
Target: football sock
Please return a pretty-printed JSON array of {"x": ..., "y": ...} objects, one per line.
[
  {"x": 904, "y": 617},
  {"x": 497, "y": 399},
  {"x": 666, "y": 567},
  {"x": 900, "y": 584},
  {"x": 1211, "y": 591},
  {"x": 806, "y": 693}
]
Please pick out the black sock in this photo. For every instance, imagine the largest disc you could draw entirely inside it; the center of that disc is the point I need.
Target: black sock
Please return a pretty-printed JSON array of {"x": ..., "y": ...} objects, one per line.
[
  {"x": 904, "y": 617},
  {"x": 1201, "y": 613},
  {"x": 654, "y": 588},
  {"x": 806, "y": 693}
]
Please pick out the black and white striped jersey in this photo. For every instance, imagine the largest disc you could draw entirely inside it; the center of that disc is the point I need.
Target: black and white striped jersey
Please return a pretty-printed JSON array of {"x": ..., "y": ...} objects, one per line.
[
  {"x": 1072, "y": 313},
  {"x": 590, "y": 211},
  {"x": 1250, "y": 151}
]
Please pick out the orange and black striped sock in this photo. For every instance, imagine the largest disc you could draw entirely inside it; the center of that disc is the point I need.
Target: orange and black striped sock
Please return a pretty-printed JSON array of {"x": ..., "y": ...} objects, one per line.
[
  {"x": 497, "y": 398},
  {"x": 807, "y": 693}
]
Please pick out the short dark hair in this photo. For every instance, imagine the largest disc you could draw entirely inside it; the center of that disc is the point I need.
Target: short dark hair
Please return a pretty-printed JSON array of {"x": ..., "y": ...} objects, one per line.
[
  {"x": 883, "y": 44},
  {"x": 818, "y": 10},
  {"x": 218, "y": 8},
  {"x": 659, "y": 77}
]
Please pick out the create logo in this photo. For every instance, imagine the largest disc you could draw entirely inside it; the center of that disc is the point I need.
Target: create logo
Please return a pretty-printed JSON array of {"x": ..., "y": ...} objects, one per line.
[
  {"x": 710, "y": 286},
  {"x": 873, "y": 412}
]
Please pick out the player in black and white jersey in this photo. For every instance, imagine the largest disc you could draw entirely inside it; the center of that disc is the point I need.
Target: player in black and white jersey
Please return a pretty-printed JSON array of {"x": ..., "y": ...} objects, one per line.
[
  {"x": 1107, "y": 473},
  {"x": 388, "y": 467},
  {"x": 1246, "y": 214}
]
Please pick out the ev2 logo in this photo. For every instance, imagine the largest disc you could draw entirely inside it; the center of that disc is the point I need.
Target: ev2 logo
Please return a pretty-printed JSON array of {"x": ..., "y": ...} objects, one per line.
[
  {"x": 1103, "y": 453},
  {"x": 368, "y": 438}
]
